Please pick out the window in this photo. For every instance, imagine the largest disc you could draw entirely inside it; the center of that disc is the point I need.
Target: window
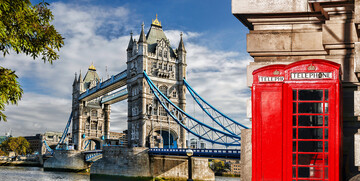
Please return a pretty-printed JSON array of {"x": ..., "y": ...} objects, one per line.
[
  {"x": 310, "y": 134},
  {"x": 163, "y": 89},
  {"x": 93, "y": 126},
  {"x": 174, "y": 93},
  {"x": 94, "y": 113},
  {"x": 162, "y": 111}
]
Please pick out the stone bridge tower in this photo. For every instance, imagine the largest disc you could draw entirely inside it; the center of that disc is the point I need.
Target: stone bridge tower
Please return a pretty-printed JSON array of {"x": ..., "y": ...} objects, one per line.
[
  {"x": 91, "y": 120},
  {"x": 148, "y": 123}
]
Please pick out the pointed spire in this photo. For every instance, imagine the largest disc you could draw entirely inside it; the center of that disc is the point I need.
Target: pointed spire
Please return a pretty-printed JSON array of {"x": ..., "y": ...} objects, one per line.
[
  {"x": 131, "y": 42},
  {"x": 181, "y": 44},
  {"x": 80, "y": 78},
  {"x": 75, "y": 81},
  {"x": 142, "y": 38}
]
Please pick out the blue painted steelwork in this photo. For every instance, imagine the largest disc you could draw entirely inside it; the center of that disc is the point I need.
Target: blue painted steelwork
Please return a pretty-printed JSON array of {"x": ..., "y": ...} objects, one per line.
[
  {"x": 218, "y": 117},
  {"x": 197, "y": 128},
  {"x": 112, "y": 80},
  {"x": 207, "y": 153},
  {"x": 48, "y": 148},
  {"x": 92, "y": 156},
  {"x": 114, "y": 95},
  {"x": 87, "y": 144},
  {"x": 65, "y": 131}
]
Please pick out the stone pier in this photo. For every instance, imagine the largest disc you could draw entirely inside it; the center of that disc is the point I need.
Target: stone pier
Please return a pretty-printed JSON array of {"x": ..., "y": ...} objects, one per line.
[
  {"x": 135, "y": 162},
  {"x": 66, "y": 160}
]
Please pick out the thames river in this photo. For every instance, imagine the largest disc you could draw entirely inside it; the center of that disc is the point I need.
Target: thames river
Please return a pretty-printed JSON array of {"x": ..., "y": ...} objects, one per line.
[{"x": 37, "y": 174}]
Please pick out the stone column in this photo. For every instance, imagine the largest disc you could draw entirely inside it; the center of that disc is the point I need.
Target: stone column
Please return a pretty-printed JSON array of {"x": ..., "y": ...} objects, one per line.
[
  {"x": 246, "y": 156},
  {"x": 107, "y": 121}
]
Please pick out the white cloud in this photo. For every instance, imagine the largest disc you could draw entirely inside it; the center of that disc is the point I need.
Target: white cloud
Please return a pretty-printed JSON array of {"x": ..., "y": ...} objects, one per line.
[{"x": 91, "y": 34}]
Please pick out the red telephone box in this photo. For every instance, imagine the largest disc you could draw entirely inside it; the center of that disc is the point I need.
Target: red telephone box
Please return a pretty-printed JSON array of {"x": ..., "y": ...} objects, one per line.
[{"x": 296, "y": 126}]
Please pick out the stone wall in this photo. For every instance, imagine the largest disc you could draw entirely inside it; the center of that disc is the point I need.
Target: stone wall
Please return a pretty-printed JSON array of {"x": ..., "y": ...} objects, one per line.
[
  {"x": 135, "y": 162},
  {"x": 67, "y": 160},
  {"x": 177, "y": 168},
  {"x": 246, "y": 157},
  {"x": 130, "y": 162}
]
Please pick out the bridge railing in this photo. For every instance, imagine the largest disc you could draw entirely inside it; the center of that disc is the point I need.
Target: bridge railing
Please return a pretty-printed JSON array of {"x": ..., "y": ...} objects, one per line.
[
  {"x": 208, "y": 153},
  {"x": 106, "y": 83},
  {"x": 93, "y": 155}
]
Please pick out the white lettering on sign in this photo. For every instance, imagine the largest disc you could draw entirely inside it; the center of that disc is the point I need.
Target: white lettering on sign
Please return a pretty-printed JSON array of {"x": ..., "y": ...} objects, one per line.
[
  {"x": 312, "y": 75},
  {"x": 271, "y": 79}
]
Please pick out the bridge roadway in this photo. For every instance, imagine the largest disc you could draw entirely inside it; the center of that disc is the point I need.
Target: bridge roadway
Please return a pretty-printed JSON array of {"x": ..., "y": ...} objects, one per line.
[
  {"x": 93, "y": 155},
  {"x": 114, "y": 82}
]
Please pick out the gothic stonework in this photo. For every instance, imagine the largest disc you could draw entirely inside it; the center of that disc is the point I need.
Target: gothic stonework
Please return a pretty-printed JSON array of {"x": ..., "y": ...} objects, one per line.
[
  {"x": 166, "y": 67},
  {"x": 91, "y": 120}
]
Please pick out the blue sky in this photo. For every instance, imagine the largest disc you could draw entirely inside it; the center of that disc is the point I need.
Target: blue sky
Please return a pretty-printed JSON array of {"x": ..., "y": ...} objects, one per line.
[{"x": 98, "y": 31}]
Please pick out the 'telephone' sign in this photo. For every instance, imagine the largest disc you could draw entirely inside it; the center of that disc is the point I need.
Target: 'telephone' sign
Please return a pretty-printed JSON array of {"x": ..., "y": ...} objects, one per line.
[
  {"x": 312, "y": 75},
  {"x": 271, "y": 79}
]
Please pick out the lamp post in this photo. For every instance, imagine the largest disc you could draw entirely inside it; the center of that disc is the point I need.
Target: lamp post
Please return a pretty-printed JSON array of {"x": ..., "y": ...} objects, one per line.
[{"x": 189, "y": 153}]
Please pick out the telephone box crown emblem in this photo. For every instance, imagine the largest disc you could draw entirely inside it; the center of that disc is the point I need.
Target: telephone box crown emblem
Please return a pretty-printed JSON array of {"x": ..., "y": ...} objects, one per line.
[
  {"x": 276, "y": 72},
  {"x": 311, "y": 67}
]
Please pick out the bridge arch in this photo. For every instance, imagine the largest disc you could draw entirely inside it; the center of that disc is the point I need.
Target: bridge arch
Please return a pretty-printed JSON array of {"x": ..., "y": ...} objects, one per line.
[
  {"x": 160, "y": 138},
  {"x": 98, "y": 142}
]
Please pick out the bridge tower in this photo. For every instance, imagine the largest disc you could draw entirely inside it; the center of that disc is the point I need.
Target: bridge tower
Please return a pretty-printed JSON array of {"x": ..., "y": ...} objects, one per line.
[
  {"x": 91, "y": 120},
  {"x": 148, "y": 123}
]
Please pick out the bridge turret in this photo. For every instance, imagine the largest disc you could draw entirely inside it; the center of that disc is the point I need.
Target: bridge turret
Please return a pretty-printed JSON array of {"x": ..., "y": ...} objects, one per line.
[
  {"x": 181, "y": 53},
  {"x": 142, "y": 42},
  {"x": 146, "y": 118},
  {"x": 75, "y": 80},
  {"x": 81, "y": 83},
  {"x": 130, "y": 46}
]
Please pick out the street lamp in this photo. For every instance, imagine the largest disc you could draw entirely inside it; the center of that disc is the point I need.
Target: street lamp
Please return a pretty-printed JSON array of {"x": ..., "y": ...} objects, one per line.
[{"x": 189, "y": 153}]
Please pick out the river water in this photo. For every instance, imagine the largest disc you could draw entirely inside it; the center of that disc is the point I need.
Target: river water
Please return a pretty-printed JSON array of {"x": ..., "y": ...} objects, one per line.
[{"x": 37, "y": 174}]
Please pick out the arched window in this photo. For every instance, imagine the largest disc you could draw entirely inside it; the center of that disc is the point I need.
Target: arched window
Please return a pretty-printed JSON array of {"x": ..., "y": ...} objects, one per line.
[{"x": 160, "y": 53}]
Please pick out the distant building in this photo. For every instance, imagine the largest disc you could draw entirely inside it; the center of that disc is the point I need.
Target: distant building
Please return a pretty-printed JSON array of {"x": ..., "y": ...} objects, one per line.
[
  {"x": 51, "y": 138},
  {"x": 197, "y": 144},
  {"x": 35, "y": 142},
  {"x": 117, "y": 138},
  {"x": 235, "y": 167}
]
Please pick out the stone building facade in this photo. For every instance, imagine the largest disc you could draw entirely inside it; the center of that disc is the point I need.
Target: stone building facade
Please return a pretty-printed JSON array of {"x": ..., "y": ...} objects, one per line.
[
  {"x": 283, "y": 31},
  {"x": 148, "y": 123}
]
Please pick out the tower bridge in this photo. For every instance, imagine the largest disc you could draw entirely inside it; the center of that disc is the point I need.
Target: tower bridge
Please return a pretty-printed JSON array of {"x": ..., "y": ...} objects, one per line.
[
  {"x": 92, "y": 97},
  {"x": 155, "y": 89}
]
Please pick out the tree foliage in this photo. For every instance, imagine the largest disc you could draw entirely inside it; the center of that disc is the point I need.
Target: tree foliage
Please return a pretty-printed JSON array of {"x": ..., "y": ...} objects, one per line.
[
  {"x": 217, "y": 166},
  {"x": 10, "y": 91},
  {"x": 19, "y": 145},
  {"x": 2, "y": 153},
  {"x": 25, "y": 28}
]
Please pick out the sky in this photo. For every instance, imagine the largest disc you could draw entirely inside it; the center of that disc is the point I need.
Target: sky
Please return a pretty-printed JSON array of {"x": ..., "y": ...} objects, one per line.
[{"x": 99, "y": 31}]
